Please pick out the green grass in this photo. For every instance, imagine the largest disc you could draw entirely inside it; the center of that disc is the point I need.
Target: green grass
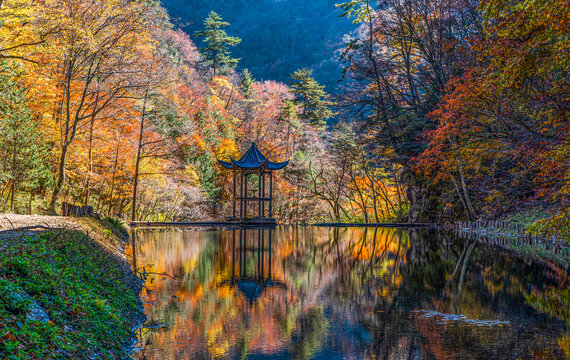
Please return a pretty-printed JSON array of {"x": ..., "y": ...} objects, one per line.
[
  {"x": 82, "y": 290},
  {"x": 117, "y": 226},
  {"x": 527, "y": 216}
]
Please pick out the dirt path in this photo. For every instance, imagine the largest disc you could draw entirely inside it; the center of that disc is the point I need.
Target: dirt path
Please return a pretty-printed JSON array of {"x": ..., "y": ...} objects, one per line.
[
  {"x": 13, "y": 221},
  {"x": 13, "y": 226}
]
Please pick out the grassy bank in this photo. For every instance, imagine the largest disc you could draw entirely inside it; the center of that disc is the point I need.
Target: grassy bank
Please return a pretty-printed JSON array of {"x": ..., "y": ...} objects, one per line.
[{"x": 66, "y": 295}]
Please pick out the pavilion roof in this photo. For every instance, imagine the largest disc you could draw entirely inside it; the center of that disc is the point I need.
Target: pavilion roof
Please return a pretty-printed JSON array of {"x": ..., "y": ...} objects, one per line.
[{"x": 253, "y": 159}]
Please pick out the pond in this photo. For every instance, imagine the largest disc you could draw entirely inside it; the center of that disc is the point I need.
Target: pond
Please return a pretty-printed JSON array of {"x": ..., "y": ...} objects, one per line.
[{"x": 345, "y": 293}]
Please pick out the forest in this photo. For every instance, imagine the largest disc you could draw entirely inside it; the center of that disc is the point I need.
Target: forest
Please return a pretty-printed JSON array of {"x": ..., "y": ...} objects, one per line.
[{"x": 446, "y": 110}]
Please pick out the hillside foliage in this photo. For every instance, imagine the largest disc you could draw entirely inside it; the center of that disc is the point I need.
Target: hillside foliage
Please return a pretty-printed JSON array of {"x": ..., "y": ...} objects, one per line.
[{"x": 449, "y": 110}]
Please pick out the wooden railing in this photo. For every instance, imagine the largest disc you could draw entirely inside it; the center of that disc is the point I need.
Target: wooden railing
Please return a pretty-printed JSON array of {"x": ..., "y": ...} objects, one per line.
[
  {"x": 507, "y": 235},
  {"x": 491, "y": 225}
]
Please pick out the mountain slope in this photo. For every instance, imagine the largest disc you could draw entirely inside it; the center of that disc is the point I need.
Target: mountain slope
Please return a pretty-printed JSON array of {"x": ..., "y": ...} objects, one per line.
[{"x": 279, "y": 36}]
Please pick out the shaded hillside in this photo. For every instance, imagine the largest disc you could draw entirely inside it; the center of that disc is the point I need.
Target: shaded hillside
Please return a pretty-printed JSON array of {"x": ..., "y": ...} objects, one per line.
[{"x": 279, "y": 36}]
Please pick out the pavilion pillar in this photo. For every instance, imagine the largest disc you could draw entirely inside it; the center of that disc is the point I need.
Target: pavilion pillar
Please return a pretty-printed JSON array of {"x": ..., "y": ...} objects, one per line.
[
  {"x": 270, "y": 194},
  {"x": 259, "y": 195},
  {"x": 263, "y": 194},
  {"x": 234, "y": 199},
  {"x": 241, "y": 195},
  {"x": 245, "y": 196}
]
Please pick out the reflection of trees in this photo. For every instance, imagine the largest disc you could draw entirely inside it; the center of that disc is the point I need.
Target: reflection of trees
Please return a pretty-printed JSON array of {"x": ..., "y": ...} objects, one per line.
[
  {"x": 554, "y": 299},
  {"x": 311, "y": 330},
  {"x": 369, "y": 280},
  {"x": 480, "y": 283}
]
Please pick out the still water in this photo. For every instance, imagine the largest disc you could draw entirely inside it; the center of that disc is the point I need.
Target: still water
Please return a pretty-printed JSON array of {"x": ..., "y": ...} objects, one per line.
[{"x": 348, "y": 293}]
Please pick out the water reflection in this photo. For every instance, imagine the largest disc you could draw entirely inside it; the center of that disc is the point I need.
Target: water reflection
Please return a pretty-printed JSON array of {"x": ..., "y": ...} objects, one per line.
[{"x": 303, "y": 292}]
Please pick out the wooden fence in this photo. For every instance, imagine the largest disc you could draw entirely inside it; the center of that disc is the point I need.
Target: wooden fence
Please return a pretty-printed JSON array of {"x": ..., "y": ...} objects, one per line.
[
  {"x": 491, "y": 225},
  {"x": 506, "y": 235},
  {"x": 75, "y": 210}
]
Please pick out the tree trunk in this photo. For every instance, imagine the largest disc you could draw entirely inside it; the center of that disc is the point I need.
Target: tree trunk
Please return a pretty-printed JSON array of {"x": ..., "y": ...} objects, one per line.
[
  {"x": 60, "y": 178},
  {"x": 90, "y": 156},
  {"x": 113, "y": 177},
  {"x": 138, "y": 160},
  {"x": 361, "y": 196},
  {"x": 418, "y": 203},
  {"x": 13, "y": 187},
  {"x": 461, "y": 197},
  {"x": 30, "y": 203},
  {"x": 374, "y": 197},
  {"x": 466, "y": 192},
  {"x": 89, "y": 165}
]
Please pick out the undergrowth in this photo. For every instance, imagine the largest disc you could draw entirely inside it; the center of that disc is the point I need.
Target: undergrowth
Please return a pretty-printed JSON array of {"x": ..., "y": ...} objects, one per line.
[
  {"x": 91, "y": 307},
  {"x": 117, "y": 226}
]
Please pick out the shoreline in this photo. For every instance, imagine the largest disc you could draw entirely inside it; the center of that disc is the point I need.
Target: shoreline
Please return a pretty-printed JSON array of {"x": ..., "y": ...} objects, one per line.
[
  {"x": 67, "y": 291},
  {"x": 535, "y": 247}
]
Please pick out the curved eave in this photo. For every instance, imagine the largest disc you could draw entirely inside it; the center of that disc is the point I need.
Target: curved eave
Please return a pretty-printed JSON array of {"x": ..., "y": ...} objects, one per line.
[
  {"x": 226, "y": 164},
  {"x": 277, "y": 166}
]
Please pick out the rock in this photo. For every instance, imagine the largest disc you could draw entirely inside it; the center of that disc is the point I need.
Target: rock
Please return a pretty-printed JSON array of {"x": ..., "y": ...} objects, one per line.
[
  {"x": 36, "y": 313},
  {"x": 18, "y": 301}
]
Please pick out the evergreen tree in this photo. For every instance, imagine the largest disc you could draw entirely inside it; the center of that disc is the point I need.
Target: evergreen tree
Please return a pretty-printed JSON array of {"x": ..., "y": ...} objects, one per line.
[
  {"x": 311, "y": 97},
  {"x": 215, "y": 52},
  {"x": 288, "y": 111},
  {"x": 23, "y": 166},
  {"x": 247, "y": 84}
]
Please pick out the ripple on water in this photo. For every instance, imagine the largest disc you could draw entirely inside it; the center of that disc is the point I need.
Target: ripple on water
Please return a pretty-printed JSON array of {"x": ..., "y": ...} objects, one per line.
[{"x": 447, "y": 318}]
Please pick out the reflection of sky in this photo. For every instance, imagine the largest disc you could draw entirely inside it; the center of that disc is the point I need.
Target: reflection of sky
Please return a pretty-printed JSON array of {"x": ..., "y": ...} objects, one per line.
[{"x": 336, "y": 293}]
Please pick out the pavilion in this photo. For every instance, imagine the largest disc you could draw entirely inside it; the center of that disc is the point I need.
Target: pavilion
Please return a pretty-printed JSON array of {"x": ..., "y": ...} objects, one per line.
[{"x": 253, "y": 162}]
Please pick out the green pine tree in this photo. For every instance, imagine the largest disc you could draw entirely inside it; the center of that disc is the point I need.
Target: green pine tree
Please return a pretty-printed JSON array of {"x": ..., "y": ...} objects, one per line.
[
  {"x": 247, "y": 84},
  {"x": 312, "y": 98},
  {"x": 288, "y": 111},
  {"x": 23, "y": 154},
  {"x": 215, "y": 52}
]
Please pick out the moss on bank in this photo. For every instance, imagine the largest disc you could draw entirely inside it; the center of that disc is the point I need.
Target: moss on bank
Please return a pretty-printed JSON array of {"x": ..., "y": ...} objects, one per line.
[{"x": 62, "y": 296}]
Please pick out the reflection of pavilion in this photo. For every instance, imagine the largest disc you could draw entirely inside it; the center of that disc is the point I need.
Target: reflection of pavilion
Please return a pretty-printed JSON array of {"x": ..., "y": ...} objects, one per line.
[
  {"x": 252, "y": 279},
  {"x": 255, "y": 166}
]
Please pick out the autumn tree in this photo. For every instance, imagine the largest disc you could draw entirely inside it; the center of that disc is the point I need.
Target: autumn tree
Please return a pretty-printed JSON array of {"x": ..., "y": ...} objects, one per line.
[
  {"x": 97, "y": 54},
  {"x": 156, "y": 129},
  {"x": 215, "y": 52},
  {"x": 502, "y": 131},
  {"x": 373, "y": 191},
  {"x": 397, "y": 68},
  {"x": 25, "y": 29}
]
